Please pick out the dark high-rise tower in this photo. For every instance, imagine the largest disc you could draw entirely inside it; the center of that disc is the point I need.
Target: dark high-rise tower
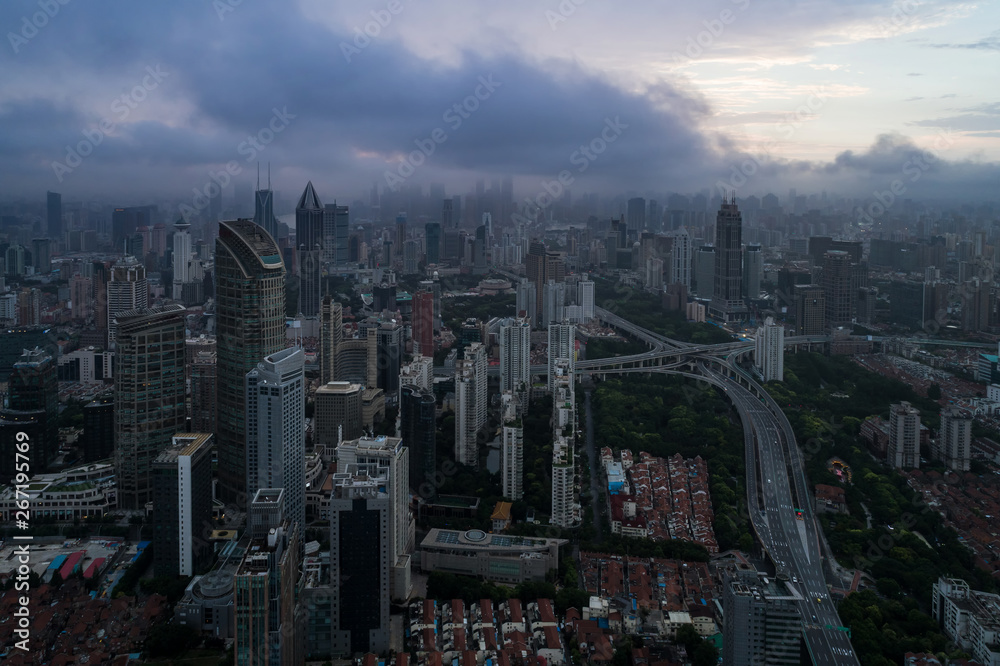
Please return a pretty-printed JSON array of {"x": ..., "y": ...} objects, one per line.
[
  {"x": 250, "y": 324},
  {"x": 432, "y": 239},
  {"x": 637, "y": 213},
  {"x": 837, "y": 288},
  {"x": 417, "y": 423},
  {"x": 309, "y": 238},
  {"x": 727, "y": 297},
  {"x": 53, "y": 205}
]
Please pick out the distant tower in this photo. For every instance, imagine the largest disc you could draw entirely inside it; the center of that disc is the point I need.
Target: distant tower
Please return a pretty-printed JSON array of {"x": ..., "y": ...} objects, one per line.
[
  {"x": 903, "y": 449},
  {"x": 515, "y": 353},
  {"x": 769, "y": 353},
  {"x": 263, "y": 214},
  {"x": 53, "y": 204},
  {"x": 127, "y": 290},
  {"x": 331, "y": 338},
  {"x": 417, "y": 411},
  {"x": 837, "y": 288},
  {"x": 680, "y": 259},
  {"x": 181, "y": 257},
  {"x": 470, "y": 403},
  {"x": 512, "y": 449},
  {"x": 250, "y": 324},
  {"x": 727, "y": 298},
  {"x": 562, "y": 345},
  {"x": 309, "y": 238}
]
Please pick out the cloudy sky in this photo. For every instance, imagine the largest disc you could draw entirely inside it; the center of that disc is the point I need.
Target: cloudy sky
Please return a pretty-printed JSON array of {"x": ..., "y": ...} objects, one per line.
[{"x": 134, "y": 99}]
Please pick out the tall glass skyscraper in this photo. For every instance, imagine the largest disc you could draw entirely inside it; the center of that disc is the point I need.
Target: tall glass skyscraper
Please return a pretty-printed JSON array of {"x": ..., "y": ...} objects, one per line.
[
  {"x": 727, "y": 297},
  {"x": 250, "y": 324},
  {"x": 309, "y": 239}
]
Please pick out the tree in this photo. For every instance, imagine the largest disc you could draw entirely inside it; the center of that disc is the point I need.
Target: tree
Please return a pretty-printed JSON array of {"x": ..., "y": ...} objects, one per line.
[{"x": 934, "y": 392}]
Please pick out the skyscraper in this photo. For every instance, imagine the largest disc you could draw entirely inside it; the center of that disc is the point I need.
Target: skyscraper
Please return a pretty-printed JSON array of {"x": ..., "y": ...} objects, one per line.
[
  {"x": 585, "y": 299},
  {"x": 336, "y": 230},
  {"x": 250, "y": 324},
  {"x": 422, "y": 323},
  {"x": 338, "y": 410},
  {"x": 753, "y": 270},
  {"x": 727, "y": 298},
  {"x": 810, "y": 309},
  {"x": 553, "y": 302},
  {"x": 515, "y": 357},
  {"x": 98, "y": 441},
  {"x": 527, "y": 299},
  {"x": 764, "y": 624},
  {"x": 417, "y": 418},
  {"x": 512, "y": 448},
  {"x": 565, "y": 507},
  {"x": 331, "y": 339},
  {"x": 41, "y": 255},
  {"x": 204, "y": 377},
  {"x": 432, "y": 239},
  {"x": 181, "y": 257},
  {"x": 903, "y": 449},
  {"x": 837, "y": 288},
  {"x": 53, "y": 205},
  {"x": 562, "y": 345},
  {"x": 309, "y": 239},
  {"x": 955, "y": 439},
  {"x": 263, "y": 207},
  {"x": 182, "y": 506},
  {"x": 128, "y": 290},
  {"x": 637, "y": 213},
  {"x": 470, "y": 403},
  {"x": 769, "y": 352},
  {"x": 704, "y": 272},
  {"x": 34, "y": 395},
  {"x": 149, "y": 396},
  {"x": 276, "y": 447},
  {"x": 542, "y": 266},
  {"x": 680, "y": 259}
]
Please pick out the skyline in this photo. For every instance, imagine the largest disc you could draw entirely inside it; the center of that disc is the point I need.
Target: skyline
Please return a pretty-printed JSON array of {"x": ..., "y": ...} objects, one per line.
[{"x": 822, "y": 97}]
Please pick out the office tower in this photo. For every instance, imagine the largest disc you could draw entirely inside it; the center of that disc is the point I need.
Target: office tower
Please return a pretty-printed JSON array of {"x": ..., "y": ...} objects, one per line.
[
  {"x": 637, "y": 213},
  {"x": 512, "y": 448},
  {"x": 127, "y": 290},
  {"x": 263, "y": 207},
  {"x": 553, "y": 302},
  {"x": 955, "y": 439},
  {"x": 562, "y": 345},
  {"x": 182, "y": 506},
  {"x": 336, "y": 232},
  {"x": 264, "y": 588},
  {"x": 903, "y": 450},
  {"x": 810, "y": 309},
  {"x": 432, "y": 240},
  {"x": 704, "y": 272},
  {"x": 388, "y": 357},
  {"x": 837, "y": 288},
  {"x": 448, "y": 220},
  {"x": 81, "y": 295},
  {"x": 400, "y": 236},
  {"x": 411, "y": 256},
  {"x": 975, "y": 305},
  {"x": 769, "y": 351},
  {"x": 753, "y": 270},
  {"x": 98, "y": 438},
  {"x": 727, "y": 297},
  {"x": 526, "y": 299},
  {"x": 542, "y": 266},
  {"x": 585, "y": 298},
  {"x": 182, "y": 256},
  {"x": 275, "y": 421},
  {"x": 149, "y": 396},
  {"x": 423, "y": 323},
  {"x": 41, "y": 255},
  {"x": 390, "y": 453},
  {"x": 360, "y": 560},
  {"x": 565, "y": 508},
  {"x": 479, "y": 250},
  {"x": 384, "y": 297},
  {"x": 763, "y": 622},
  {"x": 250, "y": 324},
  {"x": 309, "y": 239},
  {"x": 906, "y": 303},
  {"x": 470, "y": 403},
  {"x": 417, "y": 418},
  {"x": 33, "y": 393},
  {"x": 680, "y": 259},
  {"x": 337, "y": 415},
  {"x": 331, "y": 338},
  {"x": 204, "y": 378},
  {"x": 515, "y": 357},
  {"x": 53, "y": 205}
]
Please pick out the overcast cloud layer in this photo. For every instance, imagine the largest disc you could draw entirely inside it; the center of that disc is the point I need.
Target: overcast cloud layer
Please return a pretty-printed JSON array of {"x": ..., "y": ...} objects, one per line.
[{"x": 132, "y": 99}]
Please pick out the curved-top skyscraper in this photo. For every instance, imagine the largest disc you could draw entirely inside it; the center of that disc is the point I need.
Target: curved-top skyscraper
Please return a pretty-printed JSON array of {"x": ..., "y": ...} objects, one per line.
[{"x": 250, "y": 324}]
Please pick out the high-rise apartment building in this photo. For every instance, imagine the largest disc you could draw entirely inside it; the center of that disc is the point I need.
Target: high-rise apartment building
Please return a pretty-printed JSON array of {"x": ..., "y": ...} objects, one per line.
[
  {"x": 562, "y": 345},
  {"x": 515, "y": 357},
  {"x": 542, "y": 266},
  {"x": 470, "y": 403},
  {"x": 512, "y": 448},
  {"x": 954, "y": 443},
  {"x": 250, "y": 325},
  {"x": 336, "y": 232},
  {"x": 769, "y": 351},
  {"x": 680, "y": 259},
  {"x": 149, "y": 396},
  {"x": 423, "y": 323},
  {"x": 309, "y": 241},
  {"x": 585, "y": 298},
  {"x": 565, "y": 507},
  {"x": 704, "y": 272},
  {"x": 181, "y": 258},
  {"x": 553, "y": 303},
  {"x": 526, "y": 299},
  {"x": 331, "y": 338},
  {"x": 204, "y": 377},
  {"x": 753, "y": 270},
  {"x": 727, "y": 298},
  {"x": 903, "y": 449},
  {"x": 418, "y": 426},
  {"x": 837, "y": 288},
  {"x": 810, "y": 309},
  {"x": 275, "y": 419},
  {"x": 182, "y": 506},
  {"x": 432, "y": 241}
]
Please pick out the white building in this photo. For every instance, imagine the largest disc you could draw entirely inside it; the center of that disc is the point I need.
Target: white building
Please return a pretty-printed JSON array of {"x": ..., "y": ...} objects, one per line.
[
  {"x": 903, "y": 449},
  {"x": 585, "y": 299},
  {"x": 127, "y": 290},
  {"x": 970, "y": 618},
  {"x": 565, "y": 507},
  {"x": 562, "y": 345},
  {"x": 418, "y": 372},
  {"x": 553, "y": 302},
  {"x": 87, "y": 491},
  {"x": 470, "y": 403},
  {"x": 275, "y": 422},
  {"x": 512, "y": 449},
  {"x": 954, "y": 446},
  {"x": 769, "y": 353},
  {"x": 182, "y": 258},
  {"x": 515, "y": 361}
]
